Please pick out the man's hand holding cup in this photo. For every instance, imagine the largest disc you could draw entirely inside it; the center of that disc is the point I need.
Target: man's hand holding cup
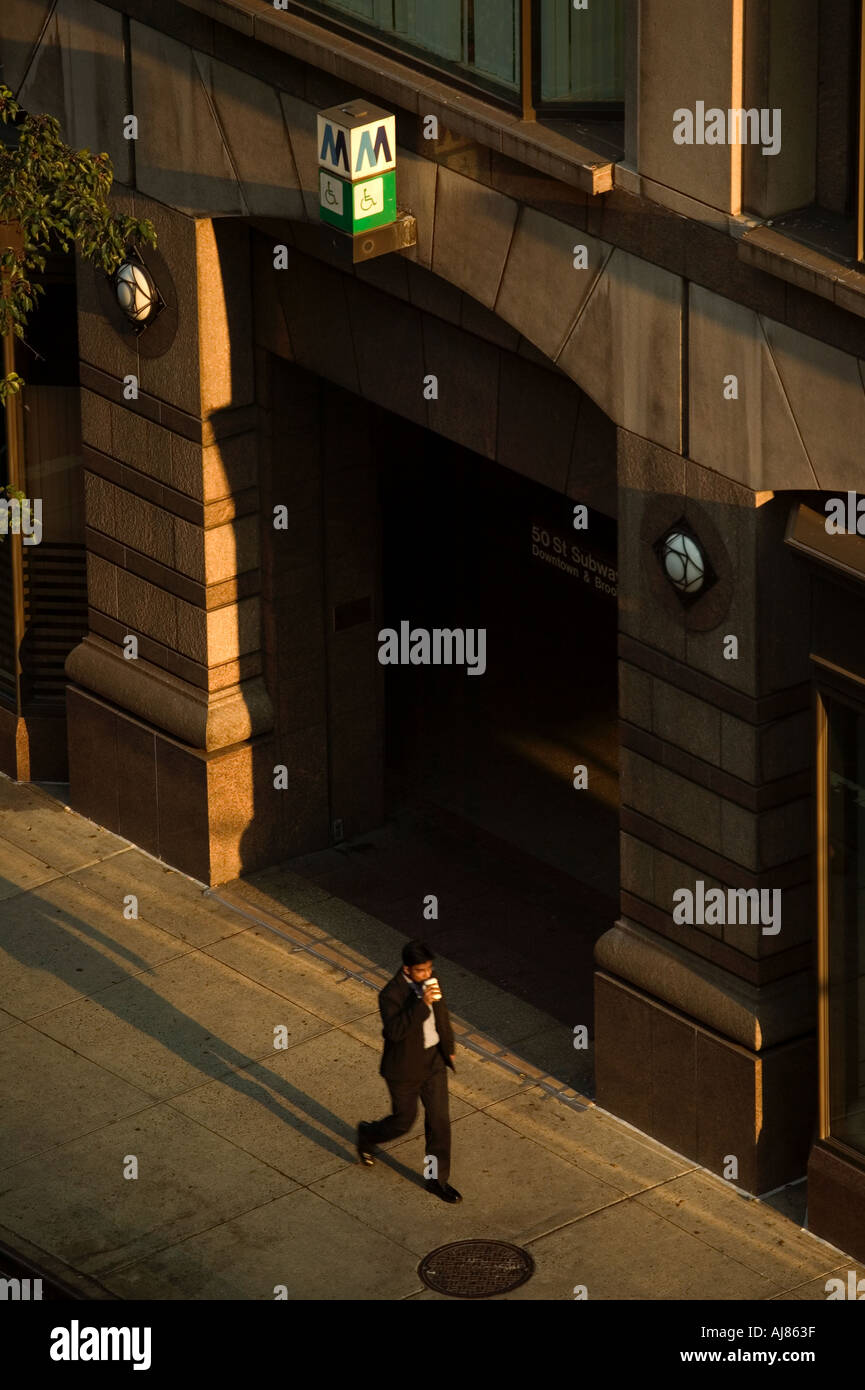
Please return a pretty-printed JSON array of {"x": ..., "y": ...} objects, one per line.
[{"x": 431, "y": 993}]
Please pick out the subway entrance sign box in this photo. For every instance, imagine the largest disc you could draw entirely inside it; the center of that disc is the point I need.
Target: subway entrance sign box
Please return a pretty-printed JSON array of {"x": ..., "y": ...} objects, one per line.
[
  {"x": 357, "y": 166},
  {"x": 357, "y": 207}
]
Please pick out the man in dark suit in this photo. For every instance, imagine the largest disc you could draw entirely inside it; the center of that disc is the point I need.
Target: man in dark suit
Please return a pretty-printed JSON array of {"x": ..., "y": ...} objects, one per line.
[{"x": 418, "y": 1049}]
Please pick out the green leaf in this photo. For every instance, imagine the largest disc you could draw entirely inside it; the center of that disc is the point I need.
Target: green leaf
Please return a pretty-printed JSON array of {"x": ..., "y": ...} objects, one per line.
[{"x": 59, "y": 197}]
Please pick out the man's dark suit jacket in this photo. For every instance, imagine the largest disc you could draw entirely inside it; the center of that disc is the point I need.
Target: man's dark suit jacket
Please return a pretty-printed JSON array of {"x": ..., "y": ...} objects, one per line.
[{"x": 403, "y": 1014}]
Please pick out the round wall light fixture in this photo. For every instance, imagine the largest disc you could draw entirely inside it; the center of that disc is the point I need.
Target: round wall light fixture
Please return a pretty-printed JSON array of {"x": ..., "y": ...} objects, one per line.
[
  {"x": 685, "y": 563},
  {"x": 136, "y": 292}
]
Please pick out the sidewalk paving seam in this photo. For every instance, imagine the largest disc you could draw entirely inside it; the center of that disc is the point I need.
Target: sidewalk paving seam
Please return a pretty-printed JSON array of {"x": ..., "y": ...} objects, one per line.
[
  {"x": 225, "y": 1221},
  {"x": 616, "y": 1202},
  {"x": 661, "y": 1183},
  {"x": 193, "y": 1235},
  {"x": 563, "y": 1226},
  {"x": 306, "y": 1008},
  {"x": 130, "y": 975},
  {"x": 163, "y": 864},
  {"x": 60, "y": 873},
  {"x": 723, "y": 1253},
  {"x": 634, "y": 1196},
  {"x": 348, "y": 1163},
  {"x": 47, "y": 1265},
  {"x": 164, "y": 1100},
  {"x": 462, "y": 1030},
  {"x": 353, "y": 1215},
  {"x": 92, "y": 863},
  {"x": 132, "y": 1114},
  {"x": 34, "y": 887},
  {"x": 835, "y": 1269},
  {"x": 748, "y": 1197},
  {"x": 203, "y": 951}
]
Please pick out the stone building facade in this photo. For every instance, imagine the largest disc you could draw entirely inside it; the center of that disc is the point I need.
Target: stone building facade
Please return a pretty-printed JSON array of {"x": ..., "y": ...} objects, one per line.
[{"x": 699, "y": 366}]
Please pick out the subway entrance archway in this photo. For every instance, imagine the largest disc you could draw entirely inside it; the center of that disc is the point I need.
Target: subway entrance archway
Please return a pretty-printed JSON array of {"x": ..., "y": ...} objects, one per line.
[
  {"x": 425, "y": 780},
  {"x": 472, "y": 546},
  {"x": 487, "y": 762}
]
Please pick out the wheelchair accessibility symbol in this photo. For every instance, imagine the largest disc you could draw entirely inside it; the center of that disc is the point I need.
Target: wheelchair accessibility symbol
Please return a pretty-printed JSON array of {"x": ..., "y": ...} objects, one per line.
[
  {"x": 369, "y": 198},
  {"x": 331, "y": 194}
]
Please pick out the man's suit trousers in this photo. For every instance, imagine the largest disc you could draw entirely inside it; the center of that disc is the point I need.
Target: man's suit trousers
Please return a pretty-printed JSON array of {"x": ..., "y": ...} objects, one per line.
[{"x": 433, "y": 1093}]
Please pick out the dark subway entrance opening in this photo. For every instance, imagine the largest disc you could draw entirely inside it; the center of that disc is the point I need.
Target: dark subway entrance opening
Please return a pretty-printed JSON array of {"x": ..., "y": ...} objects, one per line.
[
  {"x": 480, "y": 807},
  {"x": 487, "y": 762},
  {"x": 469, "y": 545}
]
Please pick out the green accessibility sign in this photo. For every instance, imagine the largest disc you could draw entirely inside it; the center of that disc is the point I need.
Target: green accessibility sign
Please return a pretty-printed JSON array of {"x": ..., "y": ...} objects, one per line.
[{"x": 357, "y": 167}]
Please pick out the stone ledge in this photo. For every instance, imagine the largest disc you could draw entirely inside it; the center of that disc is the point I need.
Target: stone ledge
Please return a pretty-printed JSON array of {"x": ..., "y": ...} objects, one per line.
[
  {"x": 219, "y": 594},
  {"x": 758, "y": 971},
  {"x": 754, "y": 1017},
  {"x": 220, "y": 425},
  {"x": 769, "y": 250},
  {"x": 806, "y": 532},
  {"x": 400, "y": 83},
  {"x": 639, "y": 185},
  {"x": 223, "y": 676},
  {"x": 234, "y": 14},
  {"x": 750, "y": 709},
  {"x": 673, "y": 758},
  {"x": 198, "y": 719},
  {"x": 207, "y": 515}
]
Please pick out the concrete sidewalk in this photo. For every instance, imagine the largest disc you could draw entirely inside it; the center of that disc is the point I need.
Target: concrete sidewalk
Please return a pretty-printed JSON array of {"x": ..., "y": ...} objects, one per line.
[{"x": 152, "y": 1038}]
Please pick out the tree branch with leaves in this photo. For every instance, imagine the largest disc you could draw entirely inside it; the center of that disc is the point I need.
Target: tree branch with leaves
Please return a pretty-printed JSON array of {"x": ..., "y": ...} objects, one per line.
[{"x": 58, "y": 198}]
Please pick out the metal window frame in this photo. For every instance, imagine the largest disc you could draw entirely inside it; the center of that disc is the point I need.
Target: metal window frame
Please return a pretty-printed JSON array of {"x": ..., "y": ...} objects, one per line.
[
  {"x": 529, "y": 58},
  {"x": 526, "y": 101},
  {"x": 845, "y": 688},
  {"x": 566, "y": 109},
  {"x": 379, "y": 41}
]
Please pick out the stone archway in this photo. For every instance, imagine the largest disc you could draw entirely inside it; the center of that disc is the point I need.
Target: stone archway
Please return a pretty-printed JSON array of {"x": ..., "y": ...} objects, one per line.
[{"x": 384, "y": 333}]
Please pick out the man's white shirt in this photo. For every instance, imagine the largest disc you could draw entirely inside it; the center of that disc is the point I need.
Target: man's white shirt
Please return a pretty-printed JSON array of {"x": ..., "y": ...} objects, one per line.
[{"x": 430, "y": 1032}]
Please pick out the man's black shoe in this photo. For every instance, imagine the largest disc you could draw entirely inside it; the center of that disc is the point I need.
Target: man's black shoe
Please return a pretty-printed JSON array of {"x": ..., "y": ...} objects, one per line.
[
  {"x": 363, "y": 1145},
  {"x": 443, "y": 1190}
]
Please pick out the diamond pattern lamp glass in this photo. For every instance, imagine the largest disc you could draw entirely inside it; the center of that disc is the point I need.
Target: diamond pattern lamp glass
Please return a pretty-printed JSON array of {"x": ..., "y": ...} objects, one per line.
[
  {"x": 136, "y": 292},
  {"x": 684, "y": 562}
]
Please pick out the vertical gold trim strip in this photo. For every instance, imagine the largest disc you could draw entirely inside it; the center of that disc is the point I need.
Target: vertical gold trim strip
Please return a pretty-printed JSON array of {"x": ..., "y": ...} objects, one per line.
[
  {"x": 526, "y": 63},
  {"x": 737, "y": 85},
  {"x": 860, "y": 190},
  {"x": 823, "y": 913}
]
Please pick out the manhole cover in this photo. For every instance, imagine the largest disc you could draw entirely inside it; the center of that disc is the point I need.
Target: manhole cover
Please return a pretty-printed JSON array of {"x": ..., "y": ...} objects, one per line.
[{"x": 476, "y": 1268}]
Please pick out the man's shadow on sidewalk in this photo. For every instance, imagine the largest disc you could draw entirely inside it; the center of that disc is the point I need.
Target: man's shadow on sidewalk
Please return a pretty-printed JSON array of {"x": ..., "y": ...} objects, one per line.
[{"x": 50, "y": 929}]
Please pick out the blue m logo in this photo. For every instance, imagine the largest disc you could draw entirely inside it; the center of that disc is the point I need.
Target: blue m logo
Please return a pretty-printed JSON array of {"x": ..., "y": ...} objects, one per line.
[
  {"x": 373, "y": 154},
  {"x": 333, "y": 149}
]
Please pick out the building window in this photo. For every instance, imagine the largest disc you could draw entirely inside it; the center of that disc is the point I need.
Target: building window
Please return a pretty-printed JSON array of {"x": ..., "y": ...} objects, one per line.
[
  {"x": 582, "y": 54},
  {"x": 842, "y": 953},
  {"x": 577, "y": 57},
  {"x": 478, "y": 38},
  {"x": 43, "y": 586},
  {"x": 838, "y": 105},
  {"x": 823, "y": 137}
]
